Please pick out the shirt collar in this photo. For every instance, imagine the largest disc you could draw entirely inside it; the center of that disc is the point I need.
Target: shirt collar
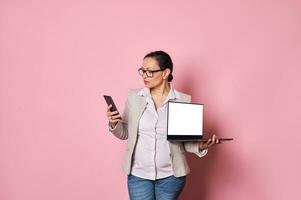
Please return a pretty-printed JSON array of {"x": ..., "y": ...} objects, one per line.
[{"x": 173, "y": 93}]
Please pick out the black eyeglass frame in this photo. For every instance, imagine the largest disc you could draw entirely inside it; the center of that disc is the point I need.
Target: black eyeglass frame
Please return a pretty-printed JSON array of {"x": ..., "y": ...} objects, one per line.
[{"x": 141, "y": 71}]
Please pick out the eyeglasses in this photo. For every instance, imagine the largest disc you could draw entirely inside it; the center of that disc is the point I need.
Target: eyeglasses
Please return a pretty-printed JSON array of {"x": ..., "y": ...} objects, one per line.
[{"x": 149, "y": 73}]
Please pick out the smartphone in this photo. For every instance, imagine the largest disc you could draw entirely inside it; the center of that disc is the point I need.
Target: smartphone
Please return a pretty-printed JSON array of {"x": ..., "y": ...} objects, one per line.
[{"x": 109, "y": 101}]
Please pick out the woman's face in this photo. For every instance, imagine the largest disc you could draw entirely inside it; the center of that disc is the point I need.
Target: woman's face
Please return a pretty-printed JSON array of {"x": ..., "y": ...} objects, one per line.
[{"x": 158, "y": 77}]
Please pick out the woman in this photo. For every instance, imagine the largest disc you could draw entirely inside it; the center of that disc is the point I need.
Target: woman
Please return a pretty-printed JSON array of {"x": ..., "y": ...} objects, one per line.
[{"x": 156, "y": 168}]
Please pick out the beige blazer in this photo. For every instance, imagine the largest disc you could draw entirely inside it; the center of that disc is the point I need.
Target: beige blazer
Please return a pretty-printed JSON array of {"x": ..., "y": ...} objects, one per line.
[{"x": 128, "y": 129}]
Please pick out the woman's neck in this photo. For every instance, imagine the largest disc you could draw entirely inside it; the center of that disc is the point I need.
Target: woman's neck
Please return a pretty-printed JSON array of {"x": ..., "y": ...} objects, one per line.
[{"x": 161, "y": 90}]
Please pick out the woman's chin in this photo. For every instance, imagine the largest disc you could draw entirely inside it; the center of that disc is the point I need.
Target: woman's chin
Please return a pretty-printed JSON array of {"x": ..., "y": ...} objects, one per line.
[{"x": 146, "y": 84}]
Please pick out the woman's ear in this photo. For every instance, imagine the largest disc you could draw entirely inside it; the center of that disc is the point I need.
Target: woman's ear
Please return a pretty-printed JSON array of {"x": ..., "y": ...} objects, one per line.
[{"x": 166, "y": 73}]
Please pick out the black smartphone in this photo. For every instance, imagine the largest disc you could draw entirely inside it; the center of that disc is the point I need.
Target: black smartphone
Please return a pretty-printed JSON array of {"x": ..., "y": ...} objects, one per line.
[{"x": 109, "y": 101}]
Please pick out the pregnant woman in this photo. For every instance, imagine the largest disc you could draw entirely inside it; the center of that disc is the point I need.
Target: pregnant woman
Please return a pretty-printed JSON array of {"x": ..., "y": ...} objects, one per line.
[{"x": 156, "y": 167}]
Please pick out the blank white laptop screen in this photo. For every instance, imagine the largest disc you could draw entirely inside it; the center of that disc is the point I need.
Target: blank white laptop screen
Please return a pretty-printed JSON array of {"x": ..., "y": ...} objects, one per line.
[{"x": 185, "y": 119}]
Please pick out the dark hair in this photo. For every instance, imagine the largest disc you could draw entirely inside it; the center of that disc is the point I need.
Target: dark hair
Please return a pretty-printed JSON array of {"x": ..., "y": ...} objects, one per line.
[{"x": 164, "y": 61}]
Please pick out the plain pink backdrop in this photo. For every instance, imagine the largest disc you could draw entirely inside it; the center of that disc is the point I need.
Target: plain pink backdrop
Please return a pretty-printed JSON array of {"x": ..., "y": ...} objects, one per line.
[{"x": 57, "y": 58}]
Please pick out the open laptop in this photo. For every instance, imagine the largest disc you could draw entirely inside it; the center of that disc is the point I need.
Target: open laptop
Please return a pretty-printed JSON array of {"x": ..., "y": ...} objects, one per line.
[{"x": 185, "y": 122}]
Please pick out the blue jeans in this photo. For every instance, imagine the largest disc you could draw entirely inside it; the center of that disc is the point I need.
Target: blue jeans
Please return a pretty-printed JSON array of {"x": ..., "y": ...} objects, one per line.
[{"x": 168, "y": 188}]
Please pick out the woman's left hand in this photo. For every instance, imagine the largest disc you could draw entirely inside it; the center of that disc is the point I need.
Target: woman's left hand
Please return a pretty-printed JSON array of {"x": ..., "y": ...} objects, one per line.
[{"x": 212, "y": 141}]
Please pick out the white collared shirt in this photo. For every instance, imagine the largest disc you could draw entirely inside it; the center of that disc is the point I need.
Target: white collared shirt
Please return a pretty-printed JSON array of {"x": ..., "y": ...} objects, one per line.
[{"x": 152, "y": 154}]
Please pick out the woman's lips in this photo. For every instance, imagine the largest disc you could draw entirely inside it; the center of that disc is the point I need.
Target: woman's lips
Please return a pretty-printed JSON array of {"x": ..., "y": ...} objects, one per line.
[{"x": 145, "y": 82}]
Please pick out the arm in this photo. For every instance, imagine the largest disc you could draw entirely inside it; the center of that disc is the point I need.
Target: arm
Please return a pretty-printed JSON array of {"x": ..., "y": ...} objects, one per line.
[
  {"x": 193, "y": 147},
  {"x": 120, "y": 130},
  {"x": 201, "y": 148}
]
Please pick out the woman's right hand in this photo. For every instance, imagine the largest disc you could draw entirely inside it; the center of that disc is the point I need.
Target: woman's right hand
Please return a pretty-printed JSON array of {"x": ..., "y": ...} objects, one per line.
[{"x": 113, "y": 117}]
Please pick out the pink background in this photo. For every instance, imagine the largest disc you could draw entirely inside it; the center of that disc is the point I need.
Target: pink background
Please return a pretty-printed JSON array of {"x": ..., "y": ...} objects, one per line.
[{"x": 57, "y": 58}]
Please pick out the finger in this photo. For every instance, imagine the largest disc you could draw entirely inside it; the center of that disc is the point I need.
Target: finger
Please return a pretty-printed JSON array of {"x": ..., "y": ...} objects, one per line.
[
  {"x": 116, "y": 116},
  {"x": 212, "y": 141},
  {"x": 208, "y": 142},
  {"x": 217, "y": 141},
  {"x": 214, "y": 137},
  {"x": 112, "y": 113},
  {"x": 109, "y": 108},
  {"x": 110, "y": 117},
  {"x": 115, "y": 112}
]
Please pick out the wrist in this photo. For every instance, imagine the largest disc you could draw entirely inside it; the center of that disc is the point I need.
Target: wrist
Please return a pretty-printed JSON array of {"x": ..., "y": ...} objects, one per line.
[
  {"x": 112, "y": 125},
  {"x": 201, "y": 147}
]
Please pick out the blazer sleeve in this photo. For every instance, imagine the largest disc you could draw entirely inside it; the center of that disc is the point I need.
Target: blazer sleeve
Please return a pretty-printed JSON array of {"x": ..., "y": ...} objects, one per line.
[
  {"x": 121, "y": 128},
  {"x": 193, "y": 147}
]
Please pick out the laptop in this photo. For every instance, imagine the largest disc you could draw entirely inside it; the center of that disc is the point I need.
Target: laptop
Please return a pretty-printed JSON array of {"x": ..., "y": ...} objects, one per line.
[{"x": 185, "y": 122}]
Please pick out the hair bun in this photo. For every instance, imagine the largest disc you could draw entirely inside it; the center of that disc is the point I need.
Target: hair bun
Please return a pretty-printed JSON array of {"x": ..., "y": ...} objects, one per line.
[{"x": 170, "y": 77}]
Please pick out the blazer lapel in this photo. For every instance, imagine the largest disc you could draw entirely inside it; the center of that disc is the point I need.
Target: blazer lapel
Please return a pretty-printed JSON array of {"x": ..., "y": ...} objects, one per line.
[{"x": 141, "y": 105}]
